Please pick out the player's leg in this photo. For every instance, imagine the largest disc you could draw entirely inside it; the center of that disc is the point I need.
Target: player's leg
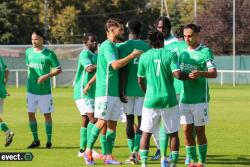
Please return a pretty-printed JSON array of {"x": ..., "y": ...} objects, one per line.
[
  {"x": 171, "y": 121},
  {"x": 201, "y": 118},
  {"x": 163, "y": 142},
  {"x": 45, "y": 104},
  {"x": 102, "y": 114},
  {"x": 115, "y": 112},
  {"x": 149, "y": 124},
  {"x": 3, "y": 127},
  {"x": 48, "y": 128},
  {"x": 187, "y": 122},
  {"x": 130, "y": 132},
  {"x": 103, "y": 142},
  {"x": 32, "y": 101},
  {"x": 156, "y": 139}
]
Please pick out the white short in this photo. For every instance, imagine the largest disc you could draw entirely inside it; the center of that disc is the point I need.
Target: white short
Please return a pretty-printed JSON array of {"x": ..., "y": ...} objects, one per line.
[
  {"x": 1, "y": 105},
  {"x": 151, "y": 120},
  {"x": 43, "y": 102},
  {"x": 134, "y": 105},
  {"x": 108, "y": 108},
  {"x": 85, "y": 106},
  {"x": 196, "y": 114}
]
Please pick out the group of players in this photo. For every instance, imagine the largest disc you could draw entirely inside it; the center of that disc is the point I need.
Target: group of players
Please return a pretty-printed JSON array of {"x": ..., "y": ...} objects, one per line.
[{"x": 162, "y": 82}]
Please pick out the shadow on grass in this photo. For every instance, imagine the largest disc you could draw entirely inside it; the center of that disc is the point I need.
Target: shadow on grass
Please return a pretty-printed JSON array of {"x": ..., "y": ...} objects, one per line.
[{"x": 229, "y": 159}]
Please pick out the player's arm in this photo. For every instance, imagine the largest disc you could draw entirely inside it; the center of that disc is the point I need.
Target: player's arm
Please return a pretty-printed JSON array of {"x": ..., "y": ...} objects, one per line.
[
  {"x": 88, "y": 85},
  {"x": 180, "y": 75},
  {"x": 142, "y": 83},
  {"x": 117, "y": 64},
  {"x": 53, "y": 73},
  {"x": 210, "y": 73},
  {"x": 6, "y": 76},
  {"x": 123, "y": 77},
  {"x": 91, "y": 68}
]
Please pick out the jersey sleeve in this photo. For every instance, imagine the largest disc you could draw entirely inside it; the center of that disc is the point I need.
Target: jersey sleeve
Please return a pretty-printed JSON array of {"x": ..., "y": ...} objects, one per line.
[
  {"x": 85, "y": 60},
  {"x": 174, "y": 62},
  {"x": 110, "y": 53},
  {"x": 141, "y": 68},
  {"x": 209, "y": 60},
  {"x": 3, "y": 64},
  {"x": 54, "y": 61}
]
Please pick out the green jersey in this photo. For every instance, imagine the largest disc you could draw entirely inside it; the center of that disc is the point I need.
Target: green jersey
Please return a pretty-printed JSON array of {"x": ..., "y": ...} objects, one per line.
[
  {"x": 169, "y": 40},
  {"x": 132, "y": 87},
  {"x": 3, "y": 68},
  {"x": 157, "y": 65},
  {"x": 195, "y": 91},
  {"x": 39, "y": 64},
  {"x": 82, "y": 77},
  {"x": 176, "y": 46},
  {"x": 107, "y": 79}
]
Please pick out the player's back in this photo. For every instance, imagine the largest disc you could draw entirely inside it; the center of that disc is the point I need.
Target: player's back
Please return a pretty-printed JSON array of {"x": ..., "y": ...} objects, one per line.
[{"x": 158, "y": 65}]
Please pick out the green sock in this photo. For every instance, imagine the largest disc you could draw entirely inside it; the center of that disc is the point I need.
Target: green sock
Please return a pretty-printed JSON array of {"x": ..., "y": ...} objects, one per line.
[
  {"x": 175, "y": 156},
  {"x": 93, "y": 136},
  {"x": 33, "y": 128},
  {"x": 83, "y": 138},
  {"x": 144, "y": 156},
  {"x": 110, "y": 137},
  {"x": 48, "y": 128},
  {"x": 137, "y": 142},
  {"x": 191, "y": 153},
  {"x": 89, "y": 127},
  {"x": 103, "y": 142},
  {"x": 163, "y": 142},
  {"x": 202, "y": 153},
  {"x": 131, "y": 144},
  {"x": 3, "y": 127}
]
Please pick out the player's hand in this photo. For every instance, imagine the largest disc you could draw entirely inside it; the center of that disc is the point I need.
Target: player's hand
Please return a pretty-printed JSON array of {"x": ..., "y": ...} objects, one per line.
[
  {"x": 194, "y": 74},
  {"x": 86, "y": 88},
  {"x": 137, "y": 53},
  {"x": 41, "y": 79},
  {"x": 123, "y": 97}
]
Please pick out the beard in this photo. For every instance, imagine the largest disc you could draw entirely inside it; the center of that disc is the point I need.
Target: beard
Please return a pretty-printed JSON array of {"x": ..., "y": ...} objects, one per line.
[{"x": 119, "y": 37}]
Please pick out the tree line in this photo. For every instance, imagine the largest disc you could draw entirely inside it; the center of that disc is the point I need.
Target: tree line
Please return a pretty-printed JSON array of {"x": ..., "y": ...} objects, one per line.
[{"x": 66, "y": 21}]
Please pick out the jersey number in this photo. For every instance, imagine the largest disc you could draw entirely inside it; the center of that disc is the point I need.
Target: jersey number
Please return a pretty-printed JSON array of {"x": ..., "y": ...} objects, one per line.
[{"x": 158, "y": 61}]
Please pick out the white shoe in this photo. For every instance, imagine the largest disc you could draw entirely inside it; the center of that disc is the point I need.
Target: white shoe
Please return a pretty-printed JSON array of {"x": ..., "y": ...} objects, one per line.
[
  {"x": 80, "y": 154},
  {"x": 144, "y": 165}
]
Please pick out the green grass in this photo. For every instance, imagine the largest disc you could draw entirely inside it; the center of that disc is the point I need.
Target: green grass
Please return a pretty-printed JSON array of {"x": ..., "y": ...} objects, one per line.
[{"x": 228, "y": 131}]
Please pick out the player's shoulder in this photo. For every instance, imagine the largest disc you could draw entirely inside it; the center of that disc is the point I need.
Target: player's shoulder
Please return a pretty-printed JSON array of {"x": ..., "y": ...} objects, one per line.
[{"x": 28, "y": 50}]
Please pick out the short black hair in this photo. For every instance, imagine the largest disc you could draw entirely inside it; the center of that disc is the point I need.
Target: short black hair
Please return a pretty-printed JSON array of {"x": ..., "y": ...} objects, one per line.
[
  {"x": 39, "y": 32},
  {"x": 166, "y": 23},
  {"x": 194, "y": 27},
  {"x": 156, "y": 39},
  {"x": 134, "y": 26},
  {"x": 86, "y": 36},
  {"x": 113, "y": 22},
  {"x": 179, "y": 32}
]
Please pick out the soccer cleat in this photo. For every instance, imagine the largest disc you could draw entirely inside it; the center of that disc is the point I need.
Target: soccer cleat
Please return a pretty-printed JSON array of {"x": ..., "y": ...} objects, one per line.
[
  {"x": 169, "y": 159},
  {"x": 200, "y": 165},
  {"x": 187, "y": 161},
  {"x": 80, "y": 154},
  {"x": 164, "y": 163},
  {"x": 9, "y": 138},
  {"x": 144, "y": 165},
  {"x": 192, "y": 165},
  {"x": 48, "y": 145},
  {"x": 99, "y": 156},
  {"x": 132, "y": 159},
  {"x": 88, "y": 159},
  {"x": 156, "y": 156},
  {"x": 111, "y": 161},
  {"x": 34, "y": 144}
]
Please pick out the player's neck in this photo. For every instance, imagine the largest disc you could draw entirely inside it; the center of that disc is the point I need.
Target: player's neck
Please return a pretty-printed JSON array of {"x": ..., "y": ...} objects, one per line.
[
  {"x": 113, "y": 39},
  {"x": 133, "y": 37},
  {"x": 38, "y": 49},
  {"x": 194, "y": 46}
]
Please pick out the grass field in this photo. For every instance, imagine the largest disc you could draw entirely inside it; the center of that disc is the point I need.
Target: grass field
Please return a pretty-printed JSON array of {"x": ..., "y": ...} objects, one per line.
[{"x": 228, "y": 131}]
